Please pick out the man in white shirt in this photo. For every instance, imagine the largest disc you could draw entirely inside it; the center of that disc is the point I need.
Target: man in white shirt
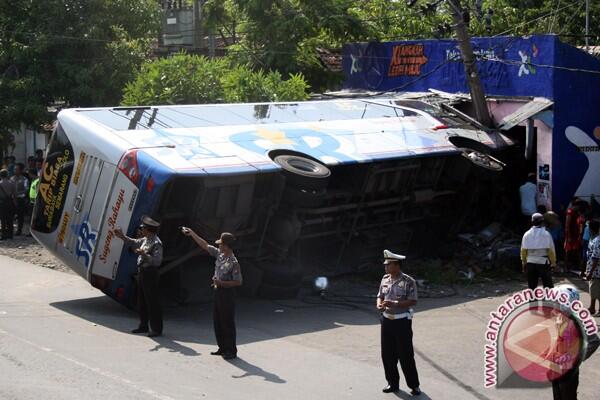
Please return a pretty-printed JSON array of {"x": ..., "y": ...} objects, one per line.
[{"x": 537, "y": 253}]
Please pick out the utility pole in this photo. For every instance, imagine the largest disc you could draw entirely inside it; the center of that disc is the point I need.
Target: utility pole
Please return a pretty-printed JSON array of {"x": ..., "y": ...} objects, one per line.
[
  {"x": 197, "y": 25},
  {"x": 211, "y": 44},
  {"x": 587, "y": 25},
  {"x": 464, "y": 44}
]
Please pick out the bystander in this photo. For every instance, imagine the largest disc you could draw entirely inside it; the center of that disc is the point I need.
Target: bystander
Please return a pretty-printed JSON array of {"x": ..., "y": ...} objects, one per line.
[
  {"x": 21, "y": 196},
  {"x": 537, "y": 253},
  {"x": 573, "y": 234},
  {"x": 7, "y": 205},
  {"x": 528, "y": 193},
  {"x": 592, "y": 272}
]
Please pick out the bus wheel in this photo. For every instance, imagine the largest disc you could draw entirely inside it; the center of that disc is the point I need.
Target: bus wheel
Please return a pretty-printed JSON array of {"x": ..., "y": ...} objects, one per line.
[{"x": 303, "y": 172}]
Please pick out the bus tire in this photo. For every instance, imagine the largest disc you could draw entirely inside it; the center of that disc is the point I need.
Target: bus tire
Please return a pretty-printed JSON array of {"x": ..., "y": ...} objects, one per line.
[
  {"x": 285, "y": 273},
  {"x": 267, "y": 291},
  {"x": 303, "y": 172}
]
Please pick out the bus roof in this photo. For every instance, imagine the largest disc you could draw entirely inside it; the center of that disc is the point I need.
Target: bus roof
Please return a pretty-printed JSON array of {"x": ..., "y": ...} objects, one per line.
[{"x": 233, "y": 138}]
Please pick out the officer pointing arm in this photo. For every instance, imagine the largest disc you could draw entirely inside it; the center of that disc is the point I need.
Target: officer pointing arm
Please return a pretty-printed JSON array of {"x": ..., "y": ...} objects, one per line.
[
  {"x": 200, "y": 241},
  {"x": 226, "y": 277},
  {"x": 213, "y": 251}
]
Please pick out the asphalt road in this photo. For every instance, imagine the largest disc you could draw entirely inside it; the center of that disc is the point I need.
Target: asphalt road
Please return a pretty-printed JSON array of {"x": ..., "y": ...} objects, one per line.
[{"x": 62, "y": 339}]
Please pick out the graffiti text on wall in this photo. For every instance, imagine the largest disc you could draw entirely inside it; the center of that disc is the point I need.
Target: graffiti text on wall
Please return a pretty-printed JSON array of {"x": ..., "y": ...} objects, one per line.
[{"x": 407, "y": 60}]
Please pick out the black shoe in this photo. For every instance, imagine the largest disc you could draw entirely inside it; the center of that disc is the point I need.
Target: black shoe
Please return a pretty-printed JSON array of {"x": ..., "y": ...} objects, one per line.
[
  {"x": 154, "y": 334},
  {"x": 229, "y": 356},
  {"x": 416, "y": 391},
  {"x": 140, "y": 330},
  {"x": 390, "y": 389},
  {"x": 216, "y": 353}
]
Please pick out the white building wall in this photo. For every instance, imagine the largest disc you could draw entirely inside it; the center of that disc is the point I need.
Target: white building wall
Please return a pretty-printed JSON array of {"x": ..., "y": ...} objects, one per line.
[{"x": 27, "y": 141}]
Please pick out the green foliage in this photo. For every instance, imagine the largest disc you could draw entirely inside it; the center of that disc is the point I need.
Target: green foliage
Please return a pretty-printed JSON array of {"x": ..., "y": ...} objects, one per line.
[
  {"x": 83, "y": 52},
  {"x": 73, "y": 52},
  {"x": 192, "y": 79},
  {"x": 284, "y": 34},
  {"x": 180, "y": 79},
  {"x": 242, "y": 85}
]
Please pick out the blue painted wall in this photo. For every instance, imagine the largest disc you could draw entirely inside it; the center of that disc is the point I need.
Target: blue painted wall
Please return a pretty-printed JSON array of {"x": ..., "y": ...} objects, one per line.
[
  {"x": 576, "y": 166},
  {"x": 509, "y": 66},
  {"x": 437, "y": 64}
]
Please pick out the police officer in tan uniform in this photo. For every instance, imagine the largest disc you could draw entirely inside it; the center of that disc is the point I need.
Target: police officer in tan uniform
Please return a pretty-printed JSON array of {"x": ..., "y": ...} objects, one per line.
[
  {"x": 397, "y": 294},
  {"x": 149, "y": 249},
  {"x": 227, "y": 276}
]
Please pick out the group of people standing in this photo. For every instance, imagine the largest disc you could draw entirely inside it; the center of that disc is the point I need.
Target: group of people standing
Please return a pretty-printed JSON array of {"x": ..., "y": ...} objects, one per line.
[
  {"x": 18, "y": 190},
  {"x": 577, "y": 243},
  {"x": 395, "y": 299},
  {"x": 571, "y": 233},
  {"x": 540, "y": 246},
  {"x": 226, "y": 277}
]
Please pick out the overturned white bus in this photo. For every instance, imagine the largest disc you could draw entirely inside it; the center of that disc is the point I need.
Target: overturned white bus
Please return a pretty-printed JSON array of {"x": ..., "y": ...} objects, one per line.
[{"x": 299, "y": 183}]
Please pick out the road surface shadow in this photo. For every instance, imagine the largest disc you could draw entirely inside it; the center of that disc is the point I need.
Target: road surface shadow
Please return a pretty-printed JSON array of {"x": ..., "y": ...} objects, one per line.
[
  {"x": 256, "y": 319},
  {"x": 104, "y": 311},
  {"x": 165, "y": 342},
  {"x": 406, "y": 396},
  {"x": 253, "y": 370}
]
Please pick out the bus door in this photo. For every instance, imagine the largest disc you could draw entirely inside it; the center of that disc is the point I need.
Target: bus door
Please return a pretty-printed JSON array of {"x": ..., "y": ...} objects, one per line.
[
  {"x": 118, "y": 215},
  {"x": 92, "y": 181}
]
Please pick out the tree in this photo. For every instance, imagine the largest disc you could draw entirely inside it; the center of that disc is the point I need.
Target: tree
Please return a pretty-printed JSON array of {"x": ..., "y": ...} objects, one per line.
[
  {"x": 283, "y": 34},
  {"x": 72, "y": 52},
  {"x": 193, "y": 79}
]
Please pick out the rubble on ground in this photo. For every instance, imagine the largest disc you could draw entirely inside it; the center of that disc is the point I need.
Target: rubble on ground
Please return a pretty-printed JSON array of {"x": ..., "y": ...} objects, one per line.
[{"x": 26, "y": 248}]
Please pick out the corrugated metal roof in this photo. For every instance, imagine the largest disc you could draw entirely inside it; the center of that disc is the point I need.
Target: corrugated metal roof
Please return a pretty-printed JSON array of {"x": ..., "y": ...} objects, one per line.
[
  {"x": 593, "y": 50},
  {"x": 530, "y": 109}
]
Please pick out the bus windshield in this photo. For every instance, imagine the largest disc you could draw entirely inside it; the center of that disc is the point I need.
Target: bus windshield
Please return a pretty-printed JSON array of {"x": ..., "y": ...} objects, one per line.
[{"x": 54, "y": 182}]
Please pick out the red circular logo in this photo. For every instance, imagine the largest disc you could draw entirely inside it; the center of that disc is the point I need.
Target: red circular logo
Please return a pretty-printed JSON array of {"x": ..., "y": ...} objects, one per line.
[{"x": 542, "y": 343}]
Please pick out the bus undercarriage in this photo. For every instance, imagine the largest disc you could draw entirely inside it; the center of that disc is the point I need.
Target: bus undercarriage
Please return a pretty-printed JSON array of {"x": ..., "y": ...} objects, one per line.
[{"x": 293, "y": 225}]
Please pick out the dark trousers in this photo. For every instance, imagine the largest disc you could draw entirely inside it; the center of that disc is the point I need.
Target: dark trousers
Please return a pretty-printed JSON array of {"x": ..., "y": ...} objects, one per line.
[
  {"x": 149, "y": 299},
  {"x": 7, "y": 215},
  {"x": 21, "y": 210},
  {"x": 224, "y": 320},
  {"x": 565, "y": 388},
  {"x": 396, "y": 344},
  {"x": 536, "y": 271}
]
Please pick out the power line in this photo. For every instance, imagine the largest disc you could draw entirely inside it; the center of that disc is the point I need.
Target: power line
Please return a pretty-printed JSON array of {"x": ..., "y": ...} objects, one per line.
[
  {"x": 533, "y": 20},
  {"x": 58, "y": 36},
  {"x": 568, "y": 23},
  {"x": 558, "y": 67},
  {"x": 252, "y": 31},
  {"x": 553, "y": 19}
]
